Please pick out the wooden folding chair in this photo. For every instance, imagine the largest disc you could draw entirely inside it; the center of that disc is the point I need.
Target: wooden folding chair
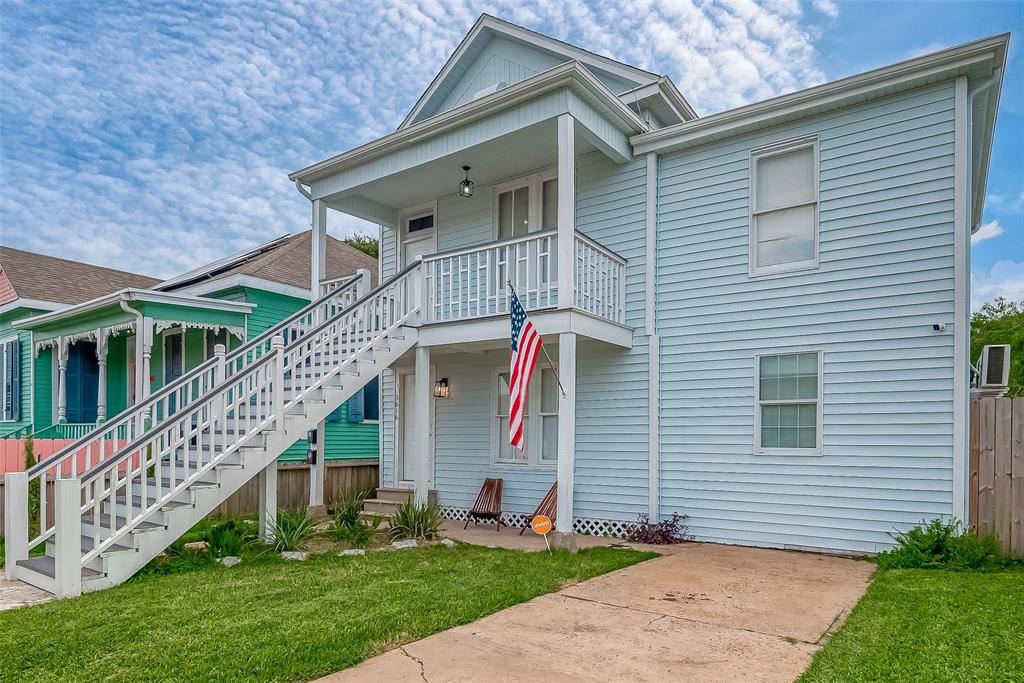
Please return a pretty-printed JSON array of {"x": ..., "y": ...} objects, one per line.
[
  {"x": 548, "y": 507},
  {"x": 488, "y": 503}
]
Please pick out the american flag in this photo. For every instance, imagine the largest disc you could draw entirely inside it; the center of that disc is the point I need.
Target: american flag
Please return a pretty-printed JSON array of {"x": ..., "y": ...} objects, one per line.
[{"x": 525, "y": 347}]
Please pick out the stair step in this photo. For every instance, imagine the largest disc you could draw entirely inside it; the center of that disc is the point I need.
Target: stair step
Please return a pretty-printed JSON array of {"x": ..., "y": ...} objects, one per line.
[
  {"x": 399, "y": 495},
  {"x": 87, "y": 545},
  {"x": 142, "y": 527},
  {"x": 377, "y": 506},
  {"x": 45, "y": 565},
  {"x": 137, "y": 502}
]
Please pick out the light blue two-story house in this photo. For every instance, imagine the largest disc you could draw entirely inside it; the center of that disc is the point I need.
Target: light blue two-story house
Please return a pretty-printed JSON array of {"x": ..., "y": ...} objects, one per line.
[
  {"x": 759, "y": 316},
  {"x": 756, "y": 318}
]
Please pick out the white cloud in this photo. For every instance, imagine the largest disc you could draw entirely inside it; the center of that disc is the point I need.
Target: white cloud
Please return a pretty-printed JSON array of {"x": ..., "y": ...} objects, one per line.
[
  {"x": 826, "y": 7},
  {"x": 1005, "y": 279},
  {"x": 987, "y": 232},
  {"x": 155, "y": 138},
  {"x": 1005, "y": 203}
]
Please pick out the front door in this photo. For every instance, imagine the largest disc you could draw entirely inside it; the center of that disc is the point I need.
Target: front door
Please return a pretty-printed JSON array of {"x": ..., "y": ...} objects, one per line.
[
  {"x": 419, "y": 237},
  {"x": 405, "y": 469},
  {"x": 82, "y": 382}
]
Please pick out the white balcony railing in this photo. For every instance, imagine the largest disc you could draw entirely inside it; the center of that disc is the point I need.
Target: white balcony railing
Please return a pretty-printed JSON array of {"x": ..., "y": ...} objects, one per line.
[{"x": 471, "y": 283}]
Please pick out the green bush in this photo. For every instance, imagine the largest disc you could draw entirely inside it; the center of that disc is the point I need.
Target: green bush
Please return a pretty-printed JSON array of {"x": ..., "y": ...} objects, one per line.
[
  {"x": 943, "y": 544},
  {"x": 414, "y": 520},
  {"x": 226, "y": 538},
  {"x": 358, "y": 535},
  {"x": 292, "y": 528}
]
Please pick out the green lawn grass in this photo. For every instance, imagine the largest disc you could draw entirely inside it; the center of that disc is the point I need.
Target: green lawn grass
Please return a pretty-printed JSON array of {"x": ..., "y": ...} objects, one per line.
[
  {"x": 930, "y": 625},
  {"x": 268, "y": 619}
]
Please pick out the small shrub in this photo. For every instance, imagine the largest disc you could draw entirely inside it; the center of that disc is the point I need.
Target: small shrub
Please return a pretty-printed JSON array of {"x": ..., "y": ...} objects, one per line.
[
  {"x": 34, "y": 492},
  {"x": 292, "y": 528},
  {"x": 226, "y": 538},
  {"x": 942, "y": 544},
  {"x": 414, "y": 520},
  {"x": 358, "y": 535},
  {"x": 348, "y": 509},
  {"x": 665, "y": 532}
]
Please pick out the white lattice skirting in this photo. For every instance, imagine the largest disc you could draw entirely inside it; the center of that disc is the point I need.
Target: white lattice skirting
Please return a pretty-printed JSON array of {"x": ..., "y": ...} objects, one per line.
[{"x": 581, "y": 525}]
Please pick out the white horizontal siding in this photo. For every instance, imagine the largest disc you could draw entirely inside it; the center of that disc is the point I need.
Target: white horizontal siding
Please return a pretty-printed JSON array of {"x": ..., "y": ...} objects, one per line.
[{"x": 886, "y": 275}]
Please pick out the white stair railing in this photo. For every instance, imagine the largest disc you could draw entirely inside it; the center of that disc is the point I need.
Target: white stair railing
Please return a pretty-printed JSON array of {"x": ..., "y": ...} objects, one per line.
[
  {"x": 102, "y": 443},
  {"x": 166, "y": 459}
]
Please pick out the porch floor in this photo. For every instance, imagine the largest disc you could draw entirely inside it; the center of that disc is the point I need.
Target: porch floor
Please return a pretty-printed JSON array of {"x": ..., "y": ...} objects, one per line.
[{"x": 509, "y": 538}]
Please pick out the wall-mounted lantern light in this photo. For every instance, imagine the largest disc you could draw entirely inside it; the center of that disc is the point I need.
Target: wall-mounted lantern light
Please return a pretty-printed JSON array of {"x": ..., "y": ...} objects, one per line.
[
  {"x": 441, "y": 388},
  {"x": 466, "y": 186}
]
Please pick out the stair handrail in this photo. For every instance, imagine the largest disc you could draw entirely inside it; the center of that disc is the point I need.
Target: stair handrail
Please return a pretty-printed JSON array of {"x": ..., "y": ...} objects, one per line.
[
  {"x": 355, "y": 329},
  {"x": 162, "y": 393}
]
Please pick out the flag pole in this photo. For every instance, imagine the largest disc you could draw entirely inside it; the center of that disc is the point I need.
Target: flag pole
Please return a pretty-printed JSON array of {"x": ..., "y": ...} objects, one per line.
[{"x": 542, "y": 348}]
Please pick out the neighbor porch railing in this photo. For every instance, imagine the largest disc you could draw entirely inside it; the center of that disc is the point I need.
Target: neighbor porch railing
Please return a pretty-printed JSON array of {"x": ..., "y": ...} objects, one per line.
[
  {"x": 471, "y": 283},
  {"x": 65, "y": 430}
]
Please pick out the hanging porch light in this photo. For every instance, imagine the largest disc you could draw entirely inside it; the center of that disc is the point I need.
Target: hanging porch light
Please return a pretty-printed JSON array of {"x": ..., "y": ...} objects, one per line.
[
  {"x": 466, "y": 186},
  {"x": 441, "y": 388}
]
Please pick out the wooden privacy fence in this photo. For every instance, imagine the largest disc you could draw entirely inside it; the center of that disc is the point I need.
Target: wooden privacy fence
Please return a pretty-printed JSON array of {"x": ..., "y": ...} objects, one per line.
[
  {"x": 997, "y": 470},
  {"x": 341, "y": 477}
]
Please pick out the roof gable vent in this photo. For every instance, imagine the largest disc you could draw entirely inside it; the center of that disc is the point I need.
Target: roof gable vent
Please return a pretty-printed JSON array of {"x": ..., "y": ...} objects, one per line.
[
  {"x": 484, "y": 92},
  {"x": 994, "y": 366}
]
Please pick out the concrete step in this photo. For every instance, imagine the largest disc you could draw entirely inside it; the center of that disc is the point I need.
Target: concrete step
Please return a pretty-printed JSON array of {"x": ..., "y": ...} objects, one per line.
[
  {"x": 380, "y": 506},
  {"x": 399, "y": 495}
]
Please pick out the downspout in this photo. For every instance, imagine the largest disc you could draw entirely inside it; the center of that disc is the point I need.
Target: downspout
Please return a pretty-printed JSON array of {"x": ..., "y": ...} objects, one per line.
[
  {"x": 978, "y": 89},
  {"x": 140, "y": 342},
  {"x": 303, "y": 191}
]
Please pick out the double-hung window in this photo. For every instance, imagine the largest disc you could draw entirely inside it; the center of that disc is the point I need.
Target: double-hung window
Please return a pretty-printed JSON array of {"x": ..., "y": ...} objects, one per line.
[
  {"x": 540, "y": 422},
  {"x": 784, "y": 208},
  {"x": 526, "y": 205},
  {"x": 10, "y": 379},
  {"x": 788, "y": 419}
]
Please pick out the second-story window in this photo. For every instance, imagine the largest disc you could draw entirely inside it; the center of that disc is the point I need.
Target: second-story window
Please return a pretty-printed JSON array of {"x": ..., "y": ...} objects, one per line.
[{"x": 784, "y": 208}]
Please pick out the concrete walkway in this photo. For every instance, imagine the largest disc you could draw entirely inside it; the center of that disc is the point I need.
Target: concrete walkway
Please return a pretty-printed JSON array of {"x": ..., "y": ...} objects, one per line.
[
  {"x": 17, "y": 594},
  {"x": 701, "y": 612}
]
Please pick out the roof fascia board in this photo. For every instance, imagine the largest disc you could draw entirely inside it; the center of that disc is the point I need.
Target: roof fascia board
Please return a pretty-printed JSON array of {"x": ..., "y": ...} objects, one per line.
[
  {"x": 668, "y": 92},
  {"x": 250, "y": 281},
  {"x": 140, "y": 295},
  {"x": 571, "y": 74},
  {"x": 501, "y": 27},
  {"x": 693, "y": 132},
  {"x": 30, "y": 303}
]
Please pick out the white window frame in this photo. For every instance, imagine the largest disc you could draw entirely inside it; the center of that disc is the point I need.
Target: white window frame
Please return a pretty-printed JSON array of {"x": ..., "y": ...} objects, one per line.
[
  {"x": 3, "y": 372},
  {"x": 774, "y": 150},
  {"x": 535, "y": 213},
  {"x": 533, "y": 424},
  {"x": 819, "y": 402}
]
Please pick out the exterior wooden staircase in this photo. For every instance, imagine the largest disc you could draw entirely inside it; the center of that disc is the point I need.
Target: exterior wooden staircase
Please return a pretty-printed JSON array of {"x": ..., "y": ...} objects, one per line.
[{"x": 131, "y": 487}]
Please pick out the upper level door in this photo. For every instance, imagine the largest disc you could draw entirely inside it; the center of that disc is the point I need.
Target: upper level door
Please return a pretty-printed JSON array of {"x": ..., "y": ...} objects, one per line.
[
  {"x": 419, "y": 236},
  {"x": 174, "y": 362}
]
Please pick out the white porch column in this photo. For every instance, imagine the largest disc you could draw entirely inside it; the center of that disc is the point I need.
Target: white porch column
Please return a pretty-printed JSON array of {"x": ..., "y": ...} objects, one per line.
[
  {"x": 101, "y": 391},
  {"x": 62, "y": 379},
  {"x": 421, "y": 423},
  {"x": 563, "y": 535},
  {"x": 145, "y": 352},
  {"x": 267, "y": 486},
  {"x": 318, "y": 257},
  {"x": 15, "y": 521},
  {"x": 566, "y": 210},
  {"x": 316, "y": 473}
]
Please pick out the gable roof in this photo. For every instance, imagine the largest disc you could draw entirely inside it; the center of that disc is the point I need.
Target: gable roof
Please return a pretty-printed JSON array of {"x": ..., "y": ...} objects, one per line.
[
  {"x": 487, "y": 27},
  {"x": 43, "y": 278},
  {"x": 285, "y": 260}
]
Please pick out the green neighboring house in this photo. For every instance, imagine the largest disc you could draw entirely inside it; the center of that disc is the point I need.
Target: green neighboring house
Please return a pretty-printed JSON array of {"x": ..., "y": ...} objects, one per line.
[{"x": 80, "y": 343}]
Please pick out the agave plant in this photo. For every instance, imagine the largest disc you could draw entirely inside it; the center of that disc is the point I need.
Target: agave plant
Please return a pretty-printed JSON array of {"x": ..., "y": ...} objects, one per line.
[
  {"x": 292, "y": 528},
  {"x": 416, "y": 520}
]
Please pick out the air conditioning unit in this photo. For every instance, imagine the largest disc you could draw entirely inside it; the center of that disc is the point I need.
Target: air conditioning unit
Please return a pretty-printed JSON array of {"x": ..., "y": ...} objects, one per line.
[{"x": 994, "y": 367}]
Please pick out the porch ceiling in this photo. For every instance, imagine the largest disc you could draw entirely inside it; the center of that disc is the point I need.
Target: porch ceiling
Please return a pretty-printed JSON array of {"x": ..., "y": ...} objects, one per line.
[{"x": 516, "y": 154}]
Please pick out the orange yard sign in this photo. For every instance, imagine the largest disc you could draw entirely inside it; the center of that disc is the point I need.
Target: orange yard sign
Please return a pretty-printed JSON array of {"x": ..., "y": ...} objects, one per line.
[{"x": 541, "y": 525}]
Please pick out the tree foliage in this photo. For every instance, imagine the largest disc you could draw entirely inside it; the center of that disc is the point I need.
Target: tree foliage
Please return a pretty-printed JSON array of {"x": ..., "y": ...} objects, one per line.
[
  {"x": 364, "y": 243},
  {"x": 1001, "y": 322}
]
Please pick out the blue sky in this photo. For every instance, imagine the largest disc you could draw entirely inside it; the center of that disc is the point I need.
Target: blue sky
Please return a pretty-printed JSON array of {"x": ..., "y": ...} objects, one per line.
[{"x": 157, "y": 136}]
